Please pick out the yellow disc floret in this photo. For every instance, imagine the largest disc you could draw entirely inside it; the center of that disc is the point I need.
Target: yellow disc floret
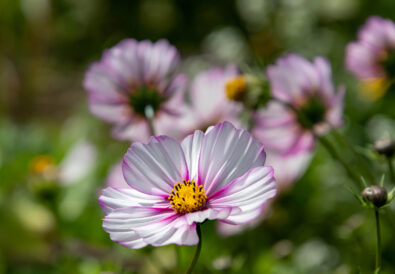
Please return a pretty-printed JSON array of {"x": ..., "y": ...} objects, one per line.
[
  {"x": 235, "y": 88},
  {"x": 374, "y": 88},
  {"x": 41, "y": 164},
  {"x": 187, "y": 197}
]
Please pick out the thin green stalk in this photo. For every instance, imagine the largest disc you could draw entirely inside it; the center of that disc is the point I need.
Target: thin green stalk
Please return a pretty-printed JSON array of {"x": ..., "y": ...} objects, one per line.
[
  {"x": 329, "y": 147},
  {"x": 378, "y": 247},
  {"x": 360, "y": 161},
  {"x": 149, "y": 115},
  {"x": 197, "y": 253},
  {"x": 391, "y": 169}
]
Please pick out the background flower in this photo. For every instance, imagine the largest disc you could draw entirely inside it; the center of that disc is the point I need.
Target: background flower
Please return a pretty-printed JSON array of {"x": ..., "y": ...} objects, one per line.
[
  {"x": 132, "y": 76},
  {"x": 305, "y": 104},
  {"x": 209, "y": 104},
  {"x": 372, "y": 58}
]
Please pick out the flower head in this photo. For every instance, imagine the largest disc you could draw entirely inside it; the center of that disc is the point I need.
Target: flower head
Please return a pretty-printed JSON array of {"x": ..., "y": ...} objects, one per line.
[
  {"x": 132, "y": 77},
  {"x": 305, "y": 105},
  {"x": 219, "y": 174},
  {"x": 210, "y": 102},
  {"x": 372, "y": 57}
]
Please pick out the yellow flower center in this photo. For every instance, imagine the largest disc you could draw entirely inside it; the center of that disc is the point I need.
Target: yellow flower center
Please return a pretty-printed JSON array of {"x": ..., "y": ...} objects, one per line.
[
  {"x": 187, "y": 197},
  {"x": 374, "y": 88},
  {"x": 235, "y": 88},
  {"x": 41, "y": 164}
]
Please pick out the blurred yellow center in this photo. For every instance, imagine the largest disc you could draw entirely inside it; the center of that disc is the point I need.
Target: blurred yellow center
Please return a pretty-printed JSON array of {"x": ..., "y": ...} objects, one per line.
[
  {"x": 187, "y": 197},
  {"x": 41, "y": 163},
  {"x": 374, "y": 88},
  {"x": 235, "y": 88}
]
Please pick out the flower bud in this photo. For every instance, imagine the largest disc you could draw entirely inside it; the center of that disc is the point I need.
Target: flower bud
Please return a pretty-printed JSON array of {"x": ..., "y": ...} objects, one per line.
[
  {"x": 385, "y": 147},
  {"x": 377, "y": 195}
]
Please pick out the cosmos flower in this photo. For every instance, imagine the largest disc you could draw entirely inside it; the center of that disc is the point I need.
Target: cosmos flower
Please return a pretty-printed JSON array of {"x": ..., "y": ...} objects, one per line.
[
  {"x": 219, "y": 174},
  {"x": 305, "y": 105},
  {"x": 75, "y": 166},
  {"x": 135, "y": 78},
  {"x": 372, "y": 57},
  {"x": 210, "y": 95}
]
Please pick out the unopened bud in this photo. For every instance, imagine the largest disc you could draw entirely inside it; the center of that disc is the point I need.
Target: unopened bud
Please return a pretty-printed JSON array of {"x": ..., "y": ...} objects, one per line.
[
  {"x": 385, "y": 147},
  {"x": 377, "y": 195}
]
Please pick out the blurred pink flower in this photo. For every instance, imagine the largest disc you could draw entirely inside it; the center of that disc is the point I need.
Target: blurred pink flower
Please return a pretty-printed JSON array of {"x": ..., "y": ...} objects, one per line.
[
  {"x": 209, "y": 104},
  {"x": 372, "y": 57},
  {"x": 219, "y": 174},
  {"x": 368, "y": 57},
  {"x": 305, "y": 105},
  {"x": 132, "y": 76}
]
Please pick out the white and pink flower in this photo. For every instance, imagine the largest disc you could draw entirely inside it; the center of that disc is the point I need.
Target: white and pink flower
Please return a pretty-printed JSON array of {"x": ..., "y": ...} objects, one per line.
[
  {"x": 219, "y": 174},
  {"x": 305, "y": 104},
  {"x": 131, "y": 77},
  {"x": 209, "y": 103}
]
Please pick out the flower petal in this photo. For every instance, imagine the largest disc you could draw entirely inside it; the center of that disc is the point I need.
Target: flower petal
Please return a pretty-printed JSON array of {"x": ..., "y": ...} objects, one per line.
[
  {"x": 132, "y": 130},
  {"x": 325, "y": 77},
  {"x": 102, "y": 84},
  {"x": 110, "y": 112},
  {"x": 226, "y": 154},
  {"x": 249, "y": 192},
  {"x": 191, "y": 146},
  {"x": 276, "y": 127},
  {"x": 335, "y": 114},
  {"x": 154, "y": 226},
  {"x": 288, "y": 168},
  {"x": 115, "y": 177},
  {"x": 208, "y": 98},
  {"x": 155, "y": 167},
  {"x": 209, "y": 214},
  {"x": 113, "y": 198}
]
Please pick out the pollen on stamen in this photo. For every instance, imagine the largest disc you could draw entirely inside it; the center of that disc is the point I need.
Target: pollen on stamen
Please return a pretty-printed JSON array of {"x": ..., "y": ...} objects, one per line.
[{"x": 187, "y": 197}]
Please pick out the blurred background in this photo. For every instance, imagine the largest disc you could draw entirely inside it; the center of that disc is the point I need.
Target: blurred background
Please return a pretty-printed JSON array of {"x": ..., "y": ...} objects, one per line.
[{"x": 55, "y": 156}]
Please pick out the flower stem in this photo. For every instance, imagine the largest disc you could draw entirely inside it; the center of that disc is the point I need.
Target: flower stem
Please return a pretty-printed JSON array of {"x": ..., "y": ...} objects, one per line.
[
  {"x": 197, "y": 253},
  {"x": 391, "y": 169},
  {"x": 341, "y": 138},
  {"x": 329, "y": 147},
  {"x": 378, "y": 248},
  {"x": 149, "y": 115}
]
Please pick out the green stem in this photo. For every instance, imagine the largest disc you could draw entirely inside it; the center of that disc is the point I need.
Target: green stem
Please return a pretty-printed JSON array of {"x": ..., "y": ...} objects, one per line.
[
  {"x": 378, "y": 248},
  {"x": 391, "y": 169},
  {"x": 360, "y": 161},
  {"x": 329, "y": 147},
  {"x": 149, "y": 115},
  {"x": 197, "y": 253}
]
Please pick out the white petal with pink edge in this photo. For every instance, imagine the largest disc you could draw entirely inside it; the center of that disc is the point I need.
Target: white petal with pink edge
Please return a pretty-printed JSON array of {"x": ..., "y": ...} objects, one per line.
[
  {"x": 249, "y": 192},
  {"x": 192, "y": 145},
  {"x": 113, "y": 198},
  {"x": 209, "y": 214},
  {"x": 226, "y": 154},
  {"x": 155, "y": 167},
  {"x": 154, "y": 226}
]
